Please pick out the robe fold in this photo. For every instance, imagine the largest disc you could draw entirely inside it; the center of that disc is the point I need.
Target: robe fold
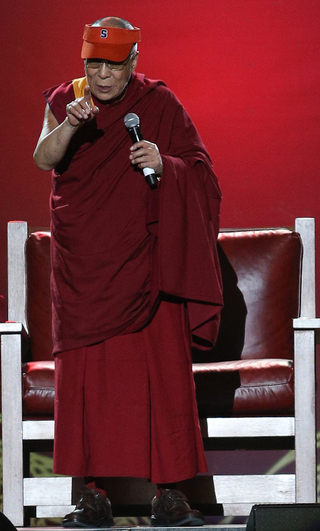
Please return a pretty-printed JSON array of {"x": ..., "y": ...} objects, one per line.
[
  {"x": 129, "y": 266},
  {"x": 116, "y": 244}
]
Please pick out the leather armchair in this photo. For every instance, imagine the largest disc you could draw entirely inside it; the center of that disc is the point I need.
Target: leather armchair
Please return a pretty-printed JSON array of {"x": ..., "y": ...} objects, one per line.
[{"x": 255, "y": 389}]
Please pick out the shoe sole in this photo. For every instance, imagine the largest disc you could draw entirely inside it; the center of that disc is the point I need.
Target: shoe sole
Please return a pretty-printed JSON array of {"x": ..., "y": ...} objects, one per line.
[{"x": 187, "y": 521}]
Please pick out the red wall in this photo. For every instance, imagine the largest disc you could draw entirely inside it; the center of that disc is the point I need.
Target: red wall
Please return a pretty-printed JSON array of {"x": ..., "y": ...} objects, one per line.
[{"x": 246, "y": 70}]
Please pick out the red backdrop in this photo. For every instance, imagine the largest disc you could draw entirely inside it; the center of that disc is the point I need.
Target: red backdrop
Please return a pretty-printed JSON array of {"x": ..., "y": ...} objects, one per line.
[{"x": 247, "y": 71}]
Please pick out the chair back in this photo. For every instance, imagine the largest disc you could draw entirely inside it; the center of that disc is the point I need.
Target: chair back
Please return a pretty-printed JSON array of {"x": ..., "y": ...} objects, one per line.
[
  {"x": 38, "y": 304},
  {"x": 261, "y": 285},
  {"x": 261, "y": 278}
]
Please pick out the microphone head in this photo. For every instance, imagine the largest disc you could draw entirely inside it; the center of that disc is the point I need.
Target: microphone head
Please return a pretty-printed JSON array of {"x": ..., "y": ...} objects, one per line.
[{"x": 131, "y": 120}]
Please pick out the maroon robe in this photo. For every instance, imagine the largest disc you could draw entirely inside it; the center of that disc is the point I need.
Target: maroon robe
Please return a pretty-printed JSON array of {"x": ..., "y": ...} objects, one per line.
[
  {"x": 115, "y": 243},
  {"x": 119, "y": 248}
]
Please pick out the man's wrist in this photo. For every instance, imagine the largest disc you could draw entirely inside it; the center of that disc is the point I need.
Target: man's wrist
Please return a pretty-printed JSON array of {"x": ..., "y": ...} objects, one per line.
[{"x": 72, "y": 127}]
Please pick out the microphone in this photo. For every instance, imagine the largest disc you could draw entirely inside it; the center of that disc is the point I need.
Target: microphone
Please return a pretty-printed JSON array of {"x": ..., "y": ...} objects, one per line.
[{"x": 132, "y": 123}]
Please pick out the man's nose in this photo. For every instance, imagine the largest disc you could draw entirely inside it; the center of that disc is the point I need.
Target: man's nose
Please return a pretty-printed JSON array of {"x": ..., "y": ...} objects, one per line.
[{"x": 104, "y": 71}]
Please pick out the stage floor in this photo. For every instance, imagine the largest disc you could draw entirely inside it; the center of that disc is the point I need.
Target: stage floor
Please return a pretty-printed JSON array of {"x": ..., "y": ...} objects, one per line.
[{"x": 227, "y": 527}]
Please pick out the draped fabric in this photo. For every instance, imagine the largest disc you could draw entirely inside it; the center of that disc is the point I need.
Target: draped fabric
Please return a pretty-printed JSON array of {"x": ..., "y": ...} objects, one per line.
[
  {"x": 116, "y": 244},
  {"x": 131, "y": 408}
]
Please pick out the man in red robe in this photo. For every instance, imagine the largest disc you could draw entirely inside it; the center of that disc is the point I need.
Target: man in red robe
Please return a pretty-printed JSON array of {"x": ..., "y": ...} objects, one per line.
[{"x": 135, "y": 278}]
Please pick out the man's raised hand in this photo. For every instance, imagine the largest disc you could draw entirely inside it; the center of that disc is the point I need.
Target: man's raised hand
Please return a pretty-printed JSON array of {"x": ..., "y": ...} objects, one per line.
[{"x": 82, "y": 109}]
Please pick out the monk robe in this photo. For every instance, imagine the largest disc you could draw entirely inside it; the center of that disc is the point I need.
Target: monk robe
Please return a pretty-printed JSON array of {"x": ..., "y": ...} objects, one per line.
[{"x": 135, "y": 277}]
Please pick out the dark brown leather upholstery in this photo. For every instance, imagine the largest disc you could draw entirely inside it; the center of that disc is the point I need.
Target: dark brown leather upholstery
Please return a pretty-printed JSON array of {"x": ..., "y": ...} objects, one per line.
[
  {"x": 38, "y": 375},
  {"x": 250, "y": 387},
  {"x": 38, "y": 388},
  {"x": 38, "y": 295},
  {"x": 249, "y": 371}
]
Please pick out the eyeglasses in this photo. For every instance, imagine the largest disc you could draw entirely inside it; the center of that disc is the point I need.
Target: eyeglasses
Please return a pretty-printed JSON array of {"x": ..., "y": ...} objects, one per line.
[{"x": 94, "y": 64}]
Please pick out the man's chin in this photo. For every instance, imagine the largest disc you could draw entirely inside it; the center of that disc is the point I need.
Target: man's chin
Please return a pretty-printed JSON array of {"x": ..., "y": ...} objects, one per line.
[{"x": 110, "y": 96}]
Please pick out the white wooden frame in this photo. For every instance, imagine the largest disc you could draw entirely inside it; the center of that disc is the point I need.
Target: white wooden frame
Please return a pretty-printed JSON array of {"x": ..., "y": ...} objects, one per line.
[
  {"x": 52, "y": 496},
  {"x": 238, "y": 493}
]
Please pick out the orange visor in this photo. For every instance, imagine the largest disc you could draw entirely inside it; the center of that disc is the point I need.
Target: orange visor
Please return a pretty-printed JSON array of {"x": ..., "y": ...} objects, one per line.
[{"x": 113, "y": 44}]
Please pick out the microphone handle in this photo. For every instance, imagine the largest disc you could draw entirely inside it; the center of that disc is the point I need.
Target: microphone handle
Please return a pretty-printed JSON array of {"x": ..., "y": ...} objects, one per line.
[
  {"x": 149, "y": 173},
  {"x": 135, "y": 134}
]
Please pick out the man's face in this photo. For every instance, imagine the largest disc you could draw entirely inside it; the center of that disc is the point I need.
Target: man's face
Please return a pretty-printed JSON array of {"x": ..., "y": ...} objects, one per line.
[{"x": 107, "y": 84}]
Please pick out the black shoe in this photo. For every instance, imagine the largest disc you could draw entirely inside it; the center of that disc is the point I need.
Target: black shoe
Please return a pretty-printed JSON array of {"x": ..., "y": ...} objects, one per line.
[
  {"x": 171, "y": 508},
  {"x": 92, "y": 510}
]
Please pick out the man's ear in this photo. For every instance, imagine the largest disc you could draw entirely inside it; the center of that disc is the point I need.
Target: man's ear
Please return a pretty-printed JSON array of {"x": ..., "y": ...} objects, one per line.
[{"x": 135, "y": 61}]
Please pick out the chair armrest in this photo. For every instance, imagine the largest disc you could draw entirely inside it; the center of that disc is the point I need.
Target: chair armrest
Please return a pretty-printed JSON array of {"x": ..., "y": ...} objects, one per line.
[
  {"x": 12, "y": 331},
  {"x": 12, "y": 328},
  {"x": 12, "y": 337},
  {"x": 306, "y": 323}
]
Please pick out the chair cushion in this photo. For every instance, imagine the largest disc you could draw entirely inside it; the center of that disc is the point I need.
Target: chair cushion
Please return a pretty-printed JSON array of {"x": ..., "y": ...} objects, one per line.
[
  {"x": 248, "y": 387},
  {"x": 244, "y": 387},
  {"x": 38, "y": 389}
]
